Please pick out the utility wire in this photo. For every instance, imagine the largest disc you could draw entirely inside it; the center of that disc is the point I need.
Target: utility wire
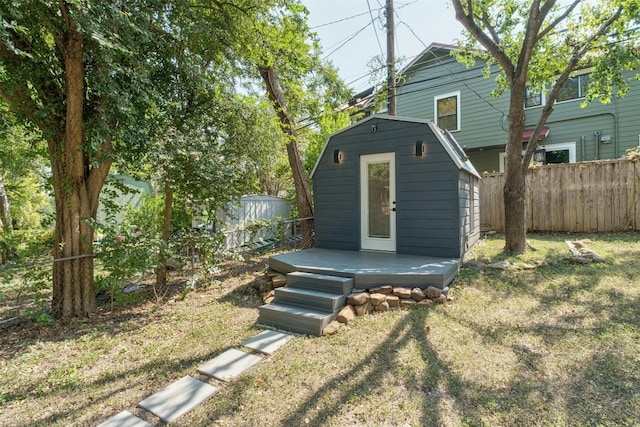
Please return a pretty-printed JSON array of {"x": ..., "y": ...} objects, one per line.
[
  {"x": 451, "y": 73},
  {"x": 346, "y": 41},
  {"x": 374, "y": 28},
  {"x": 339, "y": 20}
]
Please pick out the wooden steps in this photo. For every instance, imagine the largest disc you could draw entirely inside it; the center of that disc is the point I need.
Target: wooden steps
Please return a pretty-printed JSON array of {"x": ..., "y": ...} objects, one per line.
[{"x": 307, "y": 304}]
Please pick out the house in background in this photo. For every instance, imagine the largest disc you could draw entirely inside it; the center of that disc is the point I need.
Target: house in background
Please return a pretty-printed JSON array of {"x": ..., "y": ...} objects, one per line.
[{"x": 435, "y": 86}]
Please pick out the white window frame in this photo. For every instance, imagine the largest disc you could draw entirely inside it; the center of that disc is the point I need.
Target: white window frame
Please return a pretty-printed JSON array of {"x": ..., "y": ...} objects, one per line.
[
  {"x": 543, "y": 99},
  {"x": 435, "y": 109},
  {"x": 571, "y": 146}
]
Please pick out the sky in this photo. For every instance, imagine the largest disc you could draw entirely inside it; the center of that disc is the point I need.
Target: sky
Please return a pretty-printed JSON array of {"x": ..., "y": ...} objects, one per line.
[{"x": 351, "y": 43}]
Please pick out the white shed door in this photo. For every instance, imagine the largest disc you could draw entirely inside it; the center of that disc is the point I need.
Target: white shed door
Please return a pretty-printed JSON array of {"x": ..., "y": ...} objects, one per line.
[{"x": 378, "y": 202}]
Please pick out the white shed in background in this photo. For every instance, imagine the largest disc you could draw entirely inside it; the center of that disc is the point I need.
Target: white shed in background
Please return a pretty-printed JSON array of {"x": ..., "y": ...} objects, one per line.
[{"x": 238, "y": 215}]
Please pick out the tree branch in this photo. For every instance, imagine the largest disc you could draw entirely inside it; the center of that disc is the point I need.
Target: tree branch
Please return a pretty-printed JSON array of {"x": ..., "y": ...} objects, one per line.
[
  {"x": 545, "y": 10},
  {"x": 577, "y": 55},
  {"x": 494, "y": 49},
  {"x": 492, "y": 30}
]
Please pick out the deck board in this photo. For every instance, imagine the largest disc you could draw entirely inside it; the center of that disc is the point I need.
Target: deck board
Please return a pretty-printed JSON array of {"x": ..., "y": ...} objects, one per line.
[{"x": 370, "y": 269}]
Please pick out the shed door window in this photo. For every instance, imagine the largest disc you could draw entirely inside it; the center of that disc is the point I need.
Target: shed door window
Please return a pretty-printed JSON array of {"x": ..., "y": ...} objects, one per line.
[
  {"x": 379, "y": 206},
  {"x": 447, "y": 111}
]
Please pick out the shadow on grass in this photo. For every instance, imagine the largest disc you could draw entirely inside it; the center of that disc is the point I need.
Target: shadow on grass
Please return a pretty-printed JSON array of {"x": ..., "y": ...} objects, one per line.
[
  {"x": 589, "y": 313},
  {"x": 101, "y": 392}
]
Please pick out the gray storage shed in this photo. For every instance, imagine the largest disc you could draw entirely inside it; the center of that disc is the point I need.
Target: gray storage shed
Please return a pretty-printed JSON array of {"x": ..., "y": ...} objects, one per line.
[{"x": 397, "y": 185}]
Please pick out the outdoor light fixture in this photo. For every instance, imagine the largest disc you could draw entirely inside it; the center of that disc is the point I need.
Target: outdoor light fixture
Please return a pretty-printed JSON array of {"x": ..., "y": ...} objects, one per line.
[
  {"x": 421, "y": 148},
  {"x": 540, "y": 155},
  {"x": 337, "y": 156}
]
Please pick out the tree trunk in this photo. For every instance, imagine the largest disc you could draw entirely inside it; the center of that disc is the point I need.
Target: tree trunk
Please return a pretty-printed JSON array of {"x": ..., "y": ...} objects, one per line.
[
  {"x": 161, "y": 272},
  {"x": 300, "y": 178},
  {"x": 515, "y": 174},
  {"x": 6, "y": 222},
  {"x": 76, "y": 190}
]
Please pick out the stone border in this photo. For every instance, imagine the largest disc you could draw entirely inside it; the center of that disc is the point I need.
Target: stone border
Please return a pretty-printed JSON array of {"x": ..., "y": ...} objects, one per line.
[{"x": 384, "y": 298}]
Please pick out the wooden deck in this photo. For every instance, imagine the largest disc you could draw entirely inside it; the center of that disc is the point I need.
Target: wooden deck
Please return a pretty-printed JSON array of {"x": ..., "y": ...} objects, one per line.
[{"x": 369, "y": 269}]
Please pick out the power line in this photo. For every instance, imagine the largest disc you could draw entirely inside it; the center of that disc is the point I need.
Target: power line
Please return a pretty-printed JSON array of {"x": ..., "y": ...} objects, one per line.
[
  {"x": 450, "y": 72},
  {"x": 346, "y": 41},
  {"x": 374, "y": 28},
  {"x": 339, "y": 20}
]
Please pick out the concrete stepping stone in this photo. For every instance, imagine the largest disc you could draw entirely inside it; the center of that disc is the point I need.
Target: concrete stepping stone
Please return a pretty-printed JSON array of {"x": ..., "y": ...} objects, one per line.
[
  {"x": 229, "y": 364},
  {"x": 125, "y": 419},
  {"x": 267, "y": 342},
  {"x": 177, "y": 399}
]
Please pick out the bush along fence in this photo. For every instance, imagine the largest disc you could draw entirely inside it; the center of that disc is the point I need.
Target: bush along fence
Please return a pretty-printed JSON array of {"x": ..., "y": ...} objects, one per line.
[{"x": 599, "y": 196}]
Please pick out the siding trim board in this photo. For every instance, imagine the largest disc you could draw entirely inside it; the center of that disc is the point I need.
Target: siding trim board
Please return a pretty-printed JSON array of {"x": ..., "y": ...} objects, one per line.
[{"x": 435, "y": 216}]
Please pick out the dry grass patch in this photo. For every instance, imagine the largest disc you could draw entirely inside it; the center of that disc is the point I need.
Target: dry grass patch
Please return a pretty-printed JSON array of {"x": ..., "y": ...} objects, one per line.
[{"x": 556, "y": 345}]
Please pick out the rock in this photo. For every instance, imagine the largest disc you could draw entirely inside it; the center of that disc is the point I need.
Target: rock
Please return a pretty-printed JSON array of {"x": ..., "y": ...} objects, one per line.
[
  {"x": 500, "y": 265},
  {"x": 346, "y": 315},
  {"x": 402, "y": 293},
  {"x": 525, "y": 266},
  {"x": 432, "y": 292},
  {"x": 445, "y": 290},
  {"x": 441, "y": 299},
  {"x": 271, "y": 273},
  {"x": 377, "y": 299},
  {"x": 363, "y": 309},
  {"x": 331, "y": 328},
  {"x": 268, "y": 297},
  {"x": 258, "y": 283},
  {"x": 358, "y": 299},
  {"x": 474, "y": 264},
  {"x": 382, "y": 307},
  {"x": 426, "y": 302},
  {"x": 581, "y": 243},
  {"x": 393, "y": 301},
  {"x": 417, "y": 294},
  {"x": 279, "y": 281},
  {"x": 541, "y": 262},
  {"x": 407, "y": 303},
  {"x": 589, "y": 254},
  {"x": 265, "y": 287},
  {"x": 387, "y": 290}
]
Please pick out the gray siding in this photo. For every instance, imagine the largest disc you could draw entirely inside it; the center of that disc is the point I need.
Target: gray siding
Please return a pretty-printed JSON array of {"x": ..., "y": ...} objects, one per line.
[{"x": 428, "y": 212}]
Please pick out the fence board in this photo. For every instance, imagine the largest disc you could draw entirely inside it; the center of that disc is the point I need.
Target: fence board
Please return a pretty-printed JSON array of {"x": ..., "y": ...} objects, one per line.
[{"x": 600, "y": 196}]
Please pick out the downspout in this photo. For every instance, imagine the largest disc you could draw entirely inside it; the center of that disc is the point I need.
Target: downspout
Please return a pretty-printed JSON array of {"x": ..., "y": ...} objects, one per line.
[
  {"x": 615, "y": 127},
  {"x": 597, "y": 136},
  {"x": 582, "y": 151}
]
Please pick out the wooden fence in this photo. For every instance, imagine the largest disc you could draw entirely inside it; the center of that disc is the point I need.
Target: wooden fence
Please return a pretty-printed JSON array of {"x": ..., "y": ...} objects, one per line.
[{"x": 600, "y": 196}]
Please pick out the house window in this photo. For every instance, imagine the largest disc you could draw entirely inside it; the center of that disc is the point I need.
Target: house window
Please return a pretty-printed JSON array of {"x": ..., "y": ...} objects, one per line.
[
  {"x": 556, "y": 153},
  {"x": 575, "y": 88},
  {"x": 532, "y": 99},
  {"x": 561, "y": 153},
  {"x": 447, "y": 111}
]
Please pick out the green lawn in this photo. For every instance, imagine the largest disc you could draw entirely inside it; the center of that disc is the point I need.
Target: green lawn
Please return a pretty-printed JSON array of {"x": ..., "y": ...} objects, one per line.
[{"x": 555, "y": 345}]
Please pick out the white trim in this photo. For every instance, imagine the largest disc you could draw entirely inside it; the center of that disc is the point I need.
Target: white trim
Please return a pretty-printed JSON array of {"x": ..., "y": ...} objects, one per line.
[
  {"x": 570, "y": 146},
  {"x": 436, "y": 98},
  {"x": 377, "y": 243}
]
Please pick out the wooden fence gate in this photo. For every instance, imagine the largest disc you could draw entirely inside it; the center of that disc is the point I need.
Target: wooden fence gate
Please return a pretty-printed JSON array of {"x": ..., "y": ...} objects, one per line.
[{"x": 599, "y": 196}]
